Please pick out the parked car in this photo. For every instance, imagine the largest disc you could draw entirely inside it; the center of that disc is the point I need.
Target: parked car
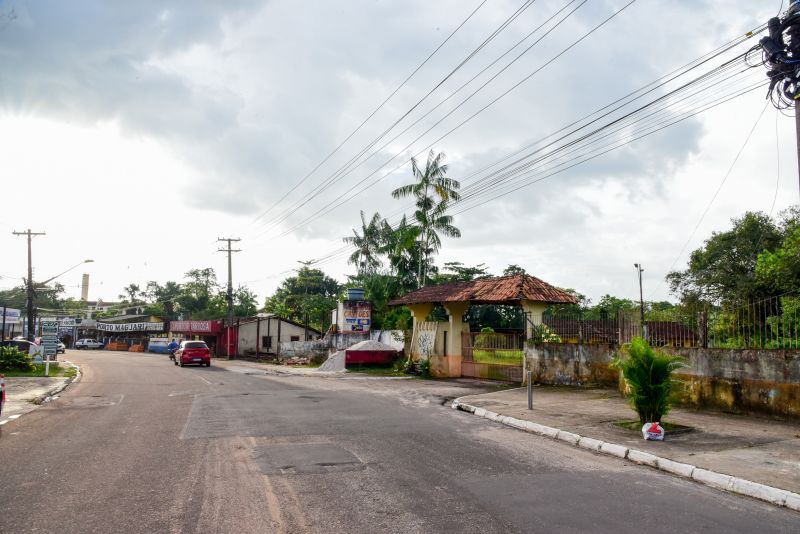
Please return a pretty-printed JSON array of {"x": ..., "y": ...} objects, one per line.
[
  {"x": 86, "y": 344},
  {"x": 193, "y": 352},
  {"x": 62, "y": 349}
]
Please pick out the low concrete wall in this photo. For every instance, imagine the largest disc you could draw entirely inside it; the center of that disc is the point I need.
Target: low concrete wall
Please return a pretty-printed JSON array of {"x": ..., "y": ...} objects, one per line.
[
  {"x": 765, "y": 381},
  {"x": 572, "y": 364},
  {"x": 741, "y": 380}
]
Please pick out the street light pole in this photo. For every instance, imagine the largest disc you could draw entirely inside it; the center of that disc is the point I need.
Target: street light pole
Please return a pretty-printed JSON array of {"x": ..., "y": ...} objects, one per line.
[{"x": 639, "y": 271}]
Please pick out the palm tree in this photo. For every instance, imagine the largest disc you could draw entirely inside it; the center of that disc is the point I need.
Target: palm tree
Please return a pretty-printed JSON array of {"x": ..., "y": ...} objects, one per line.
[
  {"x": 367, "y": 245},
  {"x": 433, "y": 192},
  {"x": 401, "y": 248}
]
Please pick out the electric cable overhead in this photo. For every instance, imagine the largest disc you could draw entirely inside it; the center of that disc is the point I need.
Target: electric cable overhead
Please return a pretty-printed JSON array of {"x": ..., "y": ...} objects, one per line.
[
  {"x": 346, "y": 168},
  {"x": 374, "y": 112},
  {"x": 340, "y": 200}
]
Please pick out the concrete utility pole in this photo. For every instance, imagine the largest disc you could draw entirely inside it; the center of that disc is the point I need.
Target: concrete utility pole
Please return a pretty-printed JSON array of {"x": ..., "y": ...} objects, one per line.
[
  {"x": 30, "y": 292},
  {"x": 229, "y": 250},
  {"x": 639, "y": 271}
]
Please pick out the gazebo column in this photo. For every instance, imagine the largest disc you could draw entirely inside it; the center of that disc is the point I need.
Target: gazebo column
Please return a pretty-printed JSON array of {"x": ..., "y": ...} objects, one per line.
[
  {"x": 533, "y": 313},
  {"x": 419, "y": 312},
  {"x": 453, "y": 356}
]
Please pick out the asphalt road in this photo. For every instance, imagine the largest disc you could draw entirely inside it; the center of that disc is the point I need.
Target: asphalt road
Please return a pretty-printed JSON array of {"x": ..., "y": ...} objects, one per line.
[{"x": 139, "y": 445}]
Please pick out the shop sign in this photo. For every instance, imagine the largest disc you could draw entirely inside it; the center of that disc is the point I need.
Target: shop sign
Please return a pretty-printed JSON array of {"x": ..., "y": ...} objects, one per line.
[
  {"x": 357, "y": 315},
  {"x": 130, "y": 327},
  {"x": 66, "y": 322},
  {"x": 12, "y": 315},
  {"x": 204, "y": 327}
]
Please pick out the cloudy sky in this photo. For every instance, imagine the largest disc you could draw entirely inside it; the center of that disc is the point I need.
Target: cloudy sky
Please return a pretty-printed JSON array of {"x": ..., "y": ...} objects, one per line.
[{"x": 137, "y": 133}]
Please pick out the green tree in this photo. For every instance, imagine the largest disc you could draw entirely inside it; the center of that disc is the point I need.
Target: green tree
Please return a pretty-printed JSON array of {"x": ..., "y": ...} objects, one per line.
[
  {"x": 311, "y": 294},
  {"x": 433, "y": 192},
  {"x": 245, "y": 302},
  {"x": 723, "y": 270},
  {"x": 367, "y": 245},
  {"x": 132, "y": 291},
  {"x": 400, "y": 246},
  {"x": 513, "y": 269},
  {"x": 455, "y": 271}
]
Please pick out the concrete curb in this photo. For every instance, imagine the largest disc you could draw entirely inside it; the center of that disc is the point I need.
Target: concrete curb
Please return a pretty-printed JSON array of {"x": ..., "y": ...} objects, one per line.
[
  {"x": 712, "y": 479},
  {"x": 49, "y": 394}
]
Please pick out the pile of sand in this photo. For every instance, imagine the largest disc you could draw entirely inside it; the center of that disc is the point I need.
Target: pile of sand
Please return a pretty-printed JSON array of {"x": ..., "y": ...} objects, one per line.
[{"x": 372, "y": 345}]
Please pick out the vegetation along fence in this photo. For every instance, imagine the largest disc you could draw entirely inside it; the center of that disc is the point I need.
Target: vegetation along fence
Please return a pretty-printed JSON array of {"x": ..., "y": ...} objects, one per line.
[
  {"x": 494, "y": 348},
  {"x": 772, "y": 323}
]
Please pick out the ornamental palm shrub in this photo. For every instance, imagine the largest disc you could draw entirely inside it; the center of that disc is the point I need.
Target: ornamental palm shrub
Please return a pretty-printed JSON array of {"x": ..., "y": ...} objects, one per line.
[
  {"x": 648, "y": 375},
  {"x": 12, "y": 359}
]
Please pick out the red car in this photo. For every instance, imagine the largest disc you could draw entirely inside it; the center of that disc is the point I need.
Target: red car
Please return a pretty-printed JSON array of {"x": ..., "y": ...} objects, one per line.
[{"x": 193, "y": 352}]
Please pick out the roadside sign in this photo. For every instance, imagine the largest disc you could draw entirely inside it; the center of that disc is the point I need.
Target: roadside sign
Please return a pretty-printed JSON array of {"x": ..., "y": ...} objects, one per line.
[{"x": 50, "y": 337}]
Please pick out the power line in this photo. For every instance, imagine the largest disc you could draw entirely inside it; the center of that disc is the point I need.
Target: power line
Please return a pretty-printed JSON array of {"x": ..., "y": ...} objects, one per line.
[
  {"x": 376, "y": 110},
  {"x": 347, "y": 168},
  {"x": 338, "y": 201}
]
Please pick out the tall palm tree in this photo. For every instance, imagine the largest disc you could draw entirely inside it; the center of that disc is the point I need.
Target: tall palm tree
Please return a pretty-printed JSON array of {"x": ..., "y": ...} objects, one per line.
[
  {"x": 433, "y": 192},
  {"x": 367, "y": 245},
  {"x": 401, "y": 248}
]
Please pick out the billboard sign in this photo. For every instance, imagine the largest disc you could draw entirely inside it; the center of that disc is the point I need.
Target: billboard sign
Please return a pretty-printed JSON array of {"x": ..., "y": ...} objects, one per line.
[
  {"x": 357, "y": 315},
  {"x": 130, "y": 327},
  {"x": 50, "y": 337}
]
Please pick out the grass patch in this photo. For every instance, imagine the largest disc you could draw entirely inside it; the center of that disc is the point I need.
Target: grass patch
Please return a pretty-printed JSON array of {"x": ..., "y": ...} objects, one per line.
[
  {"x": 497, "y": 356},
  {"x": 56, "y": 370},
  {"x": 636, "y": 426}
]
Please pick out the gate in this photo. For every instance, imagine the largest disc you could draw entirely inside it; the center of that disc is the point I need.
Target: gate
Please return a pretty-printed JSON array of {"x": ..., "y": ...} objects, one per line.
[{"x": 493, "y": 355}]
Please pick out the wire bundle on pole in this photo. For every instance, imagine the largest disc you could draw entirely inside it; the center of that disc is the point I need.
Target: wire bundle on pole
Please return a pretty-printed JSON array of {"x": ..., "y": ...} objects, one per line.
[{"x": 780, "y": 54}]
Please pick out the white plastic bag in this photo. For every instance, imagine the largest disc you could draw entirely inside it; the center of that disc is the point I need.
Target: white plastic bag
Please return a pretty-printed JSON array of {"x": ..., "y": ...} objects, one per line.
[{"x": 653, "y": 432}]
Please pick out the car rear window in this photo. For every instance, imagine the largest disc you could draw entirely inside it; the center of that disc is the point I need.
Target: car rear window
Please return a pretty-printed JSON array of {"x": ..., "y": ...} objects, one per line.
[{"x": 195, "y": 345}]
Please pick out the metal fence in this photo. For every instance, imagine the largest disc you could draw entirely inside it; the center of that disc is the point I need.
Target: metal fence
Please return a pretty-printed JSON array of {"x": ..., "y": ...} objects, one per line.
[
  {"x": 497, "y": 348},
  {"x": 772, "y": 323}
]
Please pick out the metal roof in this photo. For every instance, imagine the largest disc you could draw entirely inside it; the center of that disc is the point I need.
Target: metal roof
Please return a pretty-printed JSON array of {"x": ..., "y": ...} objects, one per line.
[{"x": 499, "y": 290}]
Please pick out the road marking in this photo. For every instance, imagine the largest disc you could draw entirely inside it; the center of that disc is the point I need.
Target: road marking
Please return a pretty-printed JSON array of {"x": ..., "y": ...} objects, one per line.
[
  {"x": 14, "y": 416},
  {"x": 204, "y": 380},
  {"x": 3, "y": 422}
]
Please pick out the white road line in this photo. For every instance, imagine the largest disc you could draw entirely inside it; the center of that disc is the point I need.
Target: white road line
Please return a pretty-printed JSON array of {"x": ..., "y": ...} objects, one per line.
[
  {"x": 204, "y": 380},
  {"x": 3, "y": 422},
  {"x": 14, "y": 416}
]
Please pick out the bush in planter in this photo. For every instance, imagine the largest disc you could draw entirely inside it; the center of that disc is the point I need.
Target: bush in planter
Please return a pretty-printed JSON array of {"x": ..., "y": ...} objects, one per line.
[
  {"x": 648, "y": 375},
  {"x": 12, "y": 359}
]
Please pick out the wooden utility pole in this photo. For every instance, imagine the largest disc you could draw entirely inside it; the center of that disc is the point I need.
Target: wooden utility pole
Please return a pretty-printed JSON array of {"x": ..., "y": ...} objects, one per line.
[
  {"x": 229, "y": 250},
  {"x": 30, "y": 291}
]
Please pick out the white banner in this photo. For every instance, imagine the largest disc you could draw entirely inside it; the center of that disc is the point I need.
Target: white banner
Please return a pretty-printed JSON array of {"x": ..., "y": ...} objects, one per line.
[{"x": 131, "y": 327}]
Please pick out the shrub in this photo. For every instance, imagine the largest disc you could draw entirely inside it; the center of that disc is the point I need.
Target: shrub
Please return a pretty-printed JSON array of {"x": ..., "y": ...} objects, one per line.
[
  {"x": 12, "y": 359},
  {"x": 648, "y": 375}
]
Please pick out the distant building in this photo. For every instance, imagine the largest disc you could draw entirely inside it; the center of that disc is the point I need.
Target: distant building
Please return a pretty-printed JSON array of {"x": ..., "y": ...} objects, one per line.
[{"x": 262, "y": 334}]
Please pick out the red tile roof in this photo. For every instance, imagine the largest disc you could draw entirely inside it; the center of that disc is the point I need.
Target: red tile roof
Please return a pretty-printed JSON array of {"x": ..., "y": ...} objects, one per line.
[{"x": 500, "y": 290}]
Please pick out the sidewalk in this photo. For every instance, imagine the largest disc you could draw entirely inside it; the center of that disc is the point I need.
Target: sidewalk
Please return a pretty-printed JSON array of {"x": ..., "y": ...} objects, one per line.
[
  {"x": 250, "y": 367},
  {"x": 24, "y": 393},
  {"x": 755, "y": 448}
]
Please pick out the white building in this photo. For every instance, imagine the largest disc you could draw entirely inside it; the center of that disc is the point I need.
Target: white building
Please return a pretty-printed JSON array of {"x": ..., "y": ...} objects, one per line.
[{"x": 263, "y": 333}]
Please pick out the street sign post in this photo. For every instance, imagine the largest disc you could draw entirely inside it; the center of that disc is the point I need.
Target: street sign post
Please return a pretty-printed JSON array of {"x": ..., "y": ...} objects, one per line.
[{"x": 49, "y": 342}]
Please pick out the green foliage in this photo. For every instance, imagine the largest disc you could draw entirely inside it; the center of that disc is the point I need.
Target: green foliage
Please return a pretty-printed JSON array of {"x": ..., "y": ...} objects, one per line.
[
  {"x": 513, "y": 269},
  {"x": 424, "y": 367},
  {"x": 542, "y": 333},
  {"x": 724, "y": 268},
  {"x": 455, "y": 271},
  {"x": 310, "y": 294},
  {"x": 12, "y": 359},
  {"x": 368, "y": 244},
  {"x": 648, "y": 375},
  {"x": 779, "y": 270},
  {"x": 433, "y": 192},
  {"x": 498, "y": 356}
]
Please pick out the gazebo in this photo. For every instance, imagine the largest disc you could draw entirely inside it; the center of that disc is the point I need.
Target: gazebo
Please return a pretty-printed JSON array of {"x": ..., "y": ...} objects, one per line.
[{"x": 442, "y": 341}]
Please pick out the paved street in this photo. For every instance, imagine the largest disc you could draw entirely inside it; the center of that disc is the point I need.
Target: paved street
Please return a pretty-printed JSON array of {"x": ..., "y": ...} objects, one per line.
[{"x": 139, "y": 445}]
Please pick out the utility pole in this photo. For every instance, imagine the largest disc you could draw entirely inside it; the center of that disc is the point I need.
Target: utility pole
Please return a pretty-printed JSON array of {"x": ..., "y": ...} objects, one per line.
[
  {"x": 229, "y": 250},
  {"x": 639, "y": 271},
  {"x": 782, "y": 58},
  {"x": 30, "y": 292}
]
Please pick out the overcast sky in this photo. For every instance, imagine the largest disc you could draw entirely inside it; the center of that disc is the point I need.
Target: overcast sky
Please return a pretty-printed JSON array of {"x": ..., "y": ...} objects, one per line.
[{"x": 137, "y": 133}]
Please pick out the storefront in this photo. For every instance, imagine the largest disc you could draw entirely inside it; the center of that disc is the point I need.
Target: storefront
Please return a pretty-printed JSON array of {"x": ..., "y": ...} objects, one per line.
[
  {"x": 208, "y": 331},
  {"x": 125, "y": 332}
]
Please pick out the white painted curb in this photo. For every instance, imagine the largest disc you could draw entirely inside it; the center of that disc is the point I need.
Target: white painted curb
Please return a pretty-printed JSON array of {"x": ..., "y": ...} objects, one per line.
[
  {"x": 713, "y": 479},
  {"x": 47, "y": 397}
]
